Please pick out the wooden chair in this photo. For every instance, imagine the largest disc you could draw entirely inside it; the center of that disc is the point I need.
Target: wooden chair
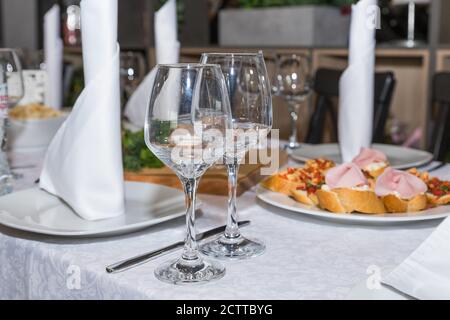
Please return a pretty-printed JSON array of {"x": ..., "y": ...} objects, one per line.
[
  {"x": 326, "y": 86},
  {"x": 440, "y": 138}
]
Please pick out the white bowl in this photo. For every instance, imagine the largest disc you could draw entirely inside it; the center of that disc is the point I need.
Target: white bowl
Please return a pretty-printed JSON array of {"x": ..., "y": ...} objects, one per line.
[{"x": 33, "y": 134}]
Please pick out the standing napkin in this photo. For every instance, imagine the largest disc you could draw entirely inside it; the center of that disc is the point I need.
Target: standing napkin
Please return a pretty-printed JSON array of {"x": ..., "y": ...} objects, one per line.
[
  {"x": 357, "y": 84},
  {"x": 167, "y": 51},
  {"x": 53, "y": 51},
  {"x": 83, "y": 164}
]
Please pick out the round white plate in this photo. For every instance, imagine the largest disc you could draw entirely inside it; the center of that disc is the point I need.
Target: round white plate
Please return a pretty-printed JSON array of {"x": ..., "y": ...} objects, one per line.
[
  {"x": 282, "y": 201},
  {"x": 37, "y": 211},
  {"x": 399, "y": 157}
]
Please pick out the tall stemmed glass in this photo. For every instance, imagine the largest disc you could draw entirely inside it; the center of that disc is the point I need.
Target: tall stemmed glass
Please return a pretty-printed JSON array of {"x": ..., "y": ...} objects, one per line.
[
  {"x": 294, "y": 85},
  {"x": 132, "y": 72},
  {"x": 187, "y": 118},
  {"x": 11, "y": 91},
  {"x": 251, "y": 108}
]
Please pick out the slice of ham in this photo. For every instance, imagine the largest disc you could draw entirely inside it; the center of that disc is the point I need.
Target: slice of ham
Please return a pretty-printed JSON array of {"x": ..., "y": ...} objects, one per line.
[
  {"x": 347, "y": 175},
  {"x": 399, "y": 182},
  {"x": 368, "y": 156}
]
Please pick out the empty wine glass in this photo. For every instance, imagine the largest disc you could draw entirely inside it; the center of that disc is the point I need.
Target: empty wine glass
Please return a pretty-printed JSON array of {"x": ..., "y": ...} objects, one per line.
[
  {"x": 187, "y": 118},
  {"x": 251, "y": 108},
  {"x": 271, "y": 65},
  {"x": 132, "y": 72},
  {"x": 294, "y": 85},
  {"x": 11, "y": 91}
]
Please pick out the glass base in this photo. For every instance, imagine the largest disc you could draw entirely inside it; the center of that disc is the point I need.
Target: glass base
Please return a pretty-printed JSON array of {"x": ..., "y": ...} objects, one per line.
[
  {"x": 292, "y": 145},
  {"x": 6, "y": 178},
  {"x": 182, "y": 271},
  {"x": 239, "y": 248}
]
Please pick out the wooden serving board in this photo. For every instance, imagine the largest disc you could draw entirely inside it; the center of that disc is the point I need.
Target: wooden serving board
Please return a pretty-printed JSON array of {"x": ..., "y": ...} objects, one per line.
[{"x": 214, "y": 181}]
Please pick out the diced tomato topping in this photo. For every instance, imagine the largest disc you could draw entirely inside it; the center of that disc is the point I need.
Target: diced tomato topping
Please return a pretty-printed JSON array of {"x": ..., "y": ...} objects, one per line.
[
  {"x": 311, "y": 189},
  {"x": 438, "y": 192}
]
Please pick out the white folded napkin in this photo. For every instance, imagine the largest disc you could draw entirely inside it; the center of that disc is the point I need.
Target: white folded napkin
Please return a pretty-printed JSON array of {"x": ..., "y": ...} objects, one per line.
[
  {"x": 167, "y": 51},
  {"x": 53, "y": 51},
  {"x": 357, "y": 84},
  {"x": 425, "y": 274},
  {"x": 166, "y": 31},
  {"x": 83, "y": 164}
]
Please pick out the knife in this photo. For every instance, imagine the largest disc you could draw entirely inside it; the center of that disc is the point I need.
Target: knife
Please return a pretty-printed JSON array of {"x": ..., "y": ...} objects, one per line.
[
  {"x": 138, "y": 260},
  {"x": 440, "y": 165}
]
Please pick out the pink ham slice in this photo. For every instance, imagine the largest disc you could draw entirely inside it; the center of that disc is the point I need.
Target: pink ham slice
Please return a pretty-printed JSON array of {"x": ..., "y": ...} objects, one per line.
[
  {"x": 368, "y": 156},
  {"x": 395, "y": 181},
  {"x": 347, "y": 175}
]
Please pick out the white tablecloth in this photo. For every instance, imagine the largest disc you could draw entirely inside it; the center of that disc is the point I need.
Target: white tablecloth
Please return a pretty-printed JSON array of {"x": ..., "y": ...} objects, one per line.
[{"x": 306, "y": 258}]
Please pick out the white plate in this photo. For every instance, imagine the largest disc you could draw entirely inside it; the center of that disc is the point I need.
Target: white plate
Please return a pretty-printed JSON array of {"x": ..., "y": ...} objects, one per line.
[
  {"x": 37, "y": 211},
  {"x": 399, "y": 157},
  {"x": 282, "y": 201}
]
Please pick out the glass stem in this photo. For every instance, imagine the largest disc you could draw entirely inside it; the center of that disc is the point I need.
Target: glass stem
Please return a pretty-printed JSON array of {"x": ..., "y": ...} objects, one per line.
[
  {"x": 232, "y": 229},
  {"x": 190, "y": 252},
  {"x": 4, "y": 127},
  {"x": 293, "y": 111}
]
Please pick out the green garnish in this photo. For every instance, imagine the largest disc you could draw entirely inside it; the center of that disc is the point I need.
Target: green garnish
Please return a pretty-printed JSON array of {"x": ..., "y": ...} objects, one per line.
[
  {"x": 136, "y": 155},
  {"x": 161, "y": 130}
]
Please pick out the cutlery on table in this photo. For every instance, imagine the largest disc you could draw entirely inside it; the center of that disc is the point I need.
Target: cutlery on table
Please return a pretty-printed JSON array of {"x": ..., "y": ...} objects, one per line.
[
  {"x": 440, "y": 165},
  {"x": 18, "y": 176},
  {"x": 426, "y": 164},
  {"x": 30, "y": 166},
  {"x": 437, "y": 166},
  {"x": 138, "y": 260}
]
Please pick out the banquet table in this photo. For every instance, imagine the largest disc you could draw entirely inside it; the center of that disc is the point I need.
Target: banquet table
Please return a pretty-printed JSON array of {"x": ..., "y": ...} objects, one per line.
[{"x": 306, "y": 258}]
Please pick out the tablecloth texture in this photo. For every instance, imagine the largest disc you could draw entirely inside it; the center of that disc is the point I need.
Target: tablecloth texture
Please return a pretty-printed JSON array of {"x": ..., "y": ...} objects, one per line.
[{"x": 306, "y": 258}]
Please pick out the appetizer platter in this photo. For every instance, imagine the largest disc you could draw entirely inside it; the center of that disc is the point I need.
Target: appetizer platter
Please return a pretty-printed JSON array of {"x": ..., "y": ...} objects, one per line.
[
  {"x": 33, "y": 111},
  {"x": 399, "y": 157},
  {"x": 32, "y": 126},
  {"x": 366, "y": 189}
]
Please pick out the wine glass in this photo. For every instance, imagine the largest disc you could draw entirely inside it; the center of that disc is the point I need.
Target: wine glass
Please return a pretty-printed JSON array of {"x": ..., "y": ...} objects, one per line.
[
  {"x": 251, "y": 108},
  {"x": 11, "y": 91},
  {"x": 132, "y": 72},
  {"x": 187, "y": 118},
  {"x": 294, "y": 85},
  {"x": 271, "y": 60}
]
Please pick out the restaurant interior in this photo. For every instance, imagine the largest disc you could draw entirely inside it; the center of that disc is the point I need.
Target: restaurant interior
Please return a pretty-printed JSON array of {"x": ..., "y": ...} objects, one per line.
[{"x": 202, "y": 27}]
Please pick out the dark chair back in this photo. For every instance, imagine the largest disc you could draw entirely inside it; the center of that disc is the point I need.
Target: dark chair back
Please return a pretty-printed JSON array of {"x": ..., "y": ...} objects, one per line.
[
  {"x": 440, "y": 137},
  {"x": 326, "y": 86}
]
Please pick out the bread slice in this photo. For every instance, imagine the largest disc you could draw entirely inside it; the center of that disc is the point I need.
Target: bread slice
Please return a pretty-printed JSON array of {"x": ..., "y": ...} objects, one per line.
[
  {"x": 330, "y": 201},
  {"x": 278, "y": 184},
  {"x": 344, "y": 200},
  {"x": 395, "y": 204},
  {"x": 305, "y": 198},
  {"x": 438, "y": 201},
  {"x": 433, "y": 183},
  {"x": 376, "y": 173}
]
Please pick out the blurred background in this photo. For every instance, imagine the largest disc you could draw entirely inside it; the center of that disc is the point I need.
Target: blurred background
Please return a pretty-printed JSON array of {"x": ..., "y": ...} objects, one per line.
[{"x": 413, "y": 44}]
